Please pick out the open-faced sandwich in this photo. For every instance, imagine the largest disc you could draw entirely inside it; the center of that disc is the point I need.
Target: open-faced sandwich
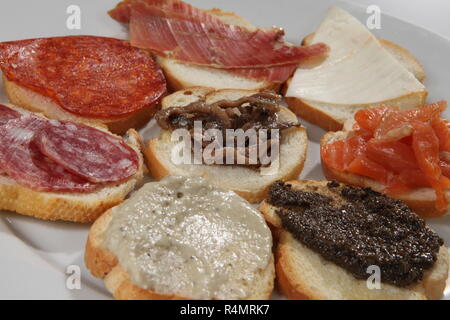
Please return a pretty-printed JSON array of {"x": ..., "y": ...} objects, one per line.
[
  {"x": 62, "y": 170},
  {"x": 96, "y": 80},
  {"x": 404, "y": 153},
  {"x": 182, "y": 238},
  {"x": 337, "y": 241},
  {"x": 359, "y": 72},
  {"x": 212, "y": 48},
  {"x": 240, "y": 140}
]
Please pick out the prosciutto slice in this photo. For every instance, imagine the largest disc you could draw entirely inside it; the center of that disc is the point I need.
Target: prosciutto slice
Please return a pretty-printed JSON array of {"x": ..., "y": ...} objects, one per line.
[
  {"x": 180, "y": 31},
  {"x": 214, "y": 44},
  {"x": 272, "y": 74}
]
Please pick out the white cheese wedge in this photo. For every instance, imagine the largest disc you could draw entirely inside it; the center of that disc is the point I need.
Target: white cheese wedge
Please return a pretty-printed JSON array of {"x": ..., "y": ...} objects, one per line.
[{"x": 358, "y": 72}]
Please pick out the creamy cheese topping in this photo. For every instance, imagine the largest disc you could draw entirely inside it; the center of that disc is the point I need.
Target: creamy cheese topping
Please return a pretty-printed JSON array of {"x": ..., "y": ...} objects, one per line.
[
  {"x": 358, "y": 69},
  {"x": 186, "y": 237}
]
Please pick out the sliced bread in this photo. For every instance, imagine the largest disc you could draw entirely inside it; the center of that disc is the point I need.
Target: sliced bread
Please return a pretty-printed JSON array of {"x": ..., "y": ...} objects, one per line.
[
  {"x": 247, "y": 182},
  {"x": 107, "y": 253},
  {"x": 304, "y": 274},
  {"x": 77, "y": 207},
  {"x": 181, "y": 75},
  {"x": 422, "y": 201},
  {"x": 37, "y": 102},
  {"x": 360, "y": 72}
]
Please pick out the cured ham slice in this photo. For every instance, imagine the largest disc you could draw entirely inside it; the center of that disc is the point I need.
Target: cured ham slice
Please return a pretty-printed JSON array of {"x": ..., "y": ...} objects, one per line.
[
  {"x": 93, "y": 77},
  {"x": 7, "y": 114},
  {"x": 122, "y": 12},
  {"x": 402, "y": 149},
  {"x": 273, "y": 74},
  {"x": 180, "y": 31},
  {"x": 215, "y": 45},
  {"x": 87, "y": 152},
  {"x": 22, "y": 161}
]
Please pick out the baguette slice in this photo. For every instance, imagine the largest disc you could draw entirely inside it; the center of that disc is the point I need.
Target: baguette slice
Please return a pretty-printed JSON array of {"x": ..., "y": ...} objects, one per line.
[
  {"x": 357, "y": 62},
  {"x": 246, "y": 182},
  {"x": 421, "y": 201},
  {"x": 77, "y": 207},
  {"x": 304, "y": 274},
  {"x": 181, "y": 75},
  {"x": 39, "y": 103},
  {"x": 103, "y": 264}
]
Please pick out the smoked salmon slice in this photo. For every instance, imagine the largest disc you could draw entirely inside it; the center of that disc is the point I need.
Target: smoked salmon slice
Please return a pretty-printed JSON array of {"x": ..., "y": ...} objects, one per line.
[
  {"x": 402, "y": 149},
  {"x": 426, "y": 149},
  {"x": 369, "y": 118}
]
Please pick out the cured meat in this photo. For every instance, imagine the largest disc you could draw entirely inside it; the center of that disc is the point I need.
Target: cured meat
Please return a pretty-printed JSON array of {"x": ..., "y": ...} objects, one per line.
[
  {"x": 92, "y": 77},
  {"x": 122, "y": 12},
  {"x": 213, "y": 43},
  {"x": 210, "y": 42},
  {"x": 87, "y": 152},
  {"x": 426, "y": 149},
  {"x": 393, "y": 155},
  {"x": 178, "y": 30},
  {"x": 396, "y": 122},
  {"x": 403, "y": 149},
  {"x": 369, "y": 119},
  {"x": 52, "y": 156},
  {"x": 7, "y": 114},
  {"x": 22, "y": 161},
  {"x": 273, "y": 74},
  {"x": 442, "y": 129}
]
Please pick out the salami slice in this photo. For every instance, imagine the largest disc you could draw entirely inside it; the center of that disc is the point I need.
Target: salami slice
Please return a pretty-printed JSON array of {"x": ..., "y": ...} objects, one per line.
[
  {"x": 7, "y": 114},
  {"x": 88, "y": 76},
  {"x": 22, "y": 161},
  {"x": 88, "y": 152}
]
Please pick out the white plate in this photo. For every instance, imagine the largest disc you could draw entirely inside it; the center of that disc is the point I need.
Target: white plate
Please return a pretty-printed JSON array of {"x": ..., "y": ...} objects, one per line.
[{"x": 34, "y": 254}]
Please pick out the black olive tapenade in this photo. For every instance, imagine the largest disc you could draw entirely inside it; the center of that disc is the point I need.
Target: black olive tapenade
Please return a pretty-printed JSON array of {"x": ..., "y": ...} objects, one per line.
[{"x": 358, "y": 227}]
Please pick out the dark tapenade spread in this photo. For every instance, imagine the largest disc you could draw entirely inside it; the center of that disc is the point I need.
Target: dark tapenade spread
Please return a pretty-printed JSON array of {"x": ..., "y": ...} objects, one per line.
[
  {"x": 358, "y": 227},
  {"x": 259, "y": 111}
]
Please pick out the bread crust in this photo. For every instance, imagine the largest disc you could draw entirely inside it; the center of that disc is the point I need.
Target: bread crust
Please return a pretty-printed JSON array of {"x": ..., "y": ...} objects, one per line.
[
  {"x": 103, "y": 264},
  {"x": 419, "y": 71},
  {"x": 423, "y": 207},
  {"x": 325, "y": 121},
  {"x": 158, "y": 171},
  {"x": 313, "y": 115},
  {"x": 294, "y": 291},
  {"x": 69, "y": 206},
  {"x": 26, "y": 98},
  {"x": 155, "y": 167},
  {"x": 176, "y": 83}
]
